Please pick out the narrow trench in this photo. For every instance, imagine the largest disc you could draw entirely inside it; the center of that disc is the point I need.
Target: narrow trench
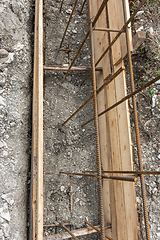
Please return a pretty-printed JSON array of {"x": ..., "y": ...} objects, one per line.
[{"x": 69, "y": 148}]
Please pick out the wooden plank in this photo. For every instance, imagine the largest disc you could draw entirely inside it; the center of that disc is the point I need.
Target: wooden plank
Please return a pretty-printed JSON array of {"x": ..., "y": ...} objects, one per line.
[
  {"x": 64, "y": 68},
  {"x": 138, "y": 39},
  {"x": 99, "y": 39},
  {"x": 40, "y": 125},
  {"x": 126, "y": 157},
  {"x": 114, "y": 127},
  {"x": 32, "y": 228},
  {"x": 121, "y": 138},
  {"x": 66, "y": 235},
  {"x": 113, "y": 23}
]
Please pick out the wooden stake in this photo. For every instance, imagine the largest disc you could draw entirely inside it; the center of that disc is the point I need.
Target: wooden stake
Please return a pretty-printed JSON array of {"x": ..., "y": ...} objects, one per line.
[{"x": 40, "y": 125}]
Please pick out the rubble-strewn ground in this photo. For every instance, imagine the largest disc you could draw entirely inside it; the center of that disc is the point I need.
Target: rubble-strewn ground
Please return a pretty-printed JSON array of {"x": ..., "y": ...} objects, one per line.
[
  {"x": 70, "y": 142},
  {"x": 15, "y": 112},
  {"x": 69, "y": 148},
  {"x": 146, "y": 63}
]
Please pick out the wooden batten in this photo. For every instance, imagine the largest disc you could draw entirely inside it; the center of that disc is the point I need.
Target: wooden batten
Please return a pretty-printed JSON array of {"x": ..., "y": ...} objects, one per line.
[
  {"x": 40, "y": 125},
  {"x": 114, "y": 127},
  {"x": 77, "y": 233},
  {"x": 99, "y": 39},
  {"x": 36, "y": 212}
]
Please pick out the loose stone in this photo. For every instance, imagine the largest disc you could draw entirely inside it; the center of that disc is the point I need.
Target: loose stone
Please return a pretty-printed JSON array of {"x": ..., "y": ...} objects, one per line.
[{"x": 3, "y": 53}]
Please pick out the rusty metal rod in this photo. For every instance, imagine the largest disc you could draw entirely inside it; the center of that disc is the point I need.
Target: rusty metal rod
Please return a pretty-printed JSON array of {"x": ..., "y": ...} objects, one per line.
[
  {"x": 117, "y": 36},
  {"x": 143, "y": 190},
  {"x": 97, "y": 229},
  {"x": 99, "y": 170},
  {"x": 128, "y": 179},
  {"x": 61, "y": 6},
  {"x": 82, "y": 7},
  {"x": 82, "y": 44},
  {"x": 125, "y": 98},
  {"x": 107, "y": 29},
  {"x": 68, "y": 22},
  {"x": 67, "y": 50},
  {"x": 107, "y": 80},
  {"x": 68, "y": 231},
  {"x": 55, "y": 225},
  {"x": 88, "y": 74},
  {"x": 63, "y": 68},
  {"x": 71, "y": 194},
  {"x": 129, "y": 172}
]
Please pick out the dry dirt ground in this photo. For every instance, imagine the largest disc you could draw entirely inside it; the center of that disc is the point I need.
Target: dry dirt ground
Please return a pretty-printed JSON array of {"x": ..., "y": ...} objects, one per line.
[
  {"x": 68, "y": 148},
  {"x": 15, "y": 116}
]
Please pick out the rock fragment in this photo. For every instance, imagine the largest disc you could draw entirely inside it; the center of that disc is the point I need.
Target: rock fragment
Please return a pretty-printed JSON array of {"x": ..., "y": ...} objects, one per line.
[
  {"x": 8, "y": 197},
  {"x": 2, "y": 80},
  {"x": 4, "y": 213},
  {"x": 6, "y": 229},
  {"x": 62, "y": 188},
  {"x": 2, "y": 101},
  {"x": 1, "y": 145},
  {"x": 1, "y": 235},
  {"x": 3, "y": 53}
]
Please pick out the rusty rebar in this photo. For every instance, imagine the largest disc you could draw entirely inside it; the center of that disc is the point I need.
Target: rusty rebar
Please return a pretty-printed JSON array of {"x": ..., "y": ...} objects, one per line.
[
  {"x": 117, "y": 178},
  {"x": 87, "y": 35},
  {"x": 97, "y": 229},
  {"x": 107, "y": 80},
  {"x": 82, "y": 7},
  {"x": 67, "y": 50},
  {"x": 63, "y": 68},
  {"x": 116, "y": 37},
  {"x": 125, "y": 98},
  {"x": 68, "y": 22},
  {"x": 147, "y": 228},
  {"x": 99, "y": 170},
  {"x": 61, "y": 6},
  {"x": 107, "y": 29},
  {"x": 128, "y": 172},
  {"x": 68, "y": 231},
  {"x": 55, "y": 225}
]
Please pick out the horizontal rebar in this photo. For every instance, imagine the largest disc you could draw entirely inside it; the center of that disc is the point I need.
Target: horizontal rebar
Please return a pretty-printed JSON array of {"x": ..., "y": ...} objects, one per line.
[
  {"x": 64, "y": 68},
  {"x": 129, "y": 179},
  {"x": 67, "y": 50},
  {"x": 55, "y": 225},
  {"x": 107, "y": 29},
  {"x": 125, "y": 98},
  {"x": 97, "y": 229},
  {"x": 82, "y": 44},
  {"x": 107, "y": 80},
  {"x": 130, "y": 172}
]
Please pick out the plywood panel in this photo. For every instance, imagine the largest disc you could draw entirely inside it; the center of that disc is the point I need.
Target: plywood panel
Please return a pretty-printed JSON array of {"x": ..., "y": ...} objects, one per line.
[{"x": 114, "y": 127}]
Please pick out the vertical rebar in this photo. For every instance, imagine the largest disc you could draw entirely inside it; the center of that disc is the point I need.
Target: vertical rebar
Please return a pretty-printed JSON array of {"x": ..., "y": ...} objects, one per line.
[
  {"x": 99, "y": 171},
  {"x": 137, "y": 128}
]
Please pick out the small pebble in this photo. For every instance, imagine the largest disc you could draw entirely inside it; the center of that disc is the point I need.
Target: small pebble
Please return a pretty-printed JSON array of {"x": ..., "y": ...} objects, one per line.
[
  {"x": 3, "y": 53},
  {"x": 62, "y": 188}
]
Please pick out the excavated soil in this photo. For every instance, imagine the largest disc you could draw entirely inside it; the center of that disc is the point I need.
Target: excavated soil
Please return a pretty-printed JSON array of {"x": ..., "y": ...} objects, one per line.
[{"x": 68, "y": 148}]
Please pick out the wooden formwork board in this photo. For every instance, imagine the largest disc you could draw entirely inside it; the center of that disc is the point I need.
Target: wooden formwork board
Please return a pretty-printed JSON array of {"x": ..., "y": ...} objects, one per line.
[
  {"x": 36, "y": 195},
  {"x": 115, "y": 137}
]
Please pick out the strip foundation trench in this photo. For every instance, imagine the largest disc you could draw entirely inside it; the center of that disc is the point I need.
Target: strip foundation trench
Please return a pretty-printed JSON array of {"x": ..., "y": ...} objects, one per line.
[{"x": 109, "y": 30}]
